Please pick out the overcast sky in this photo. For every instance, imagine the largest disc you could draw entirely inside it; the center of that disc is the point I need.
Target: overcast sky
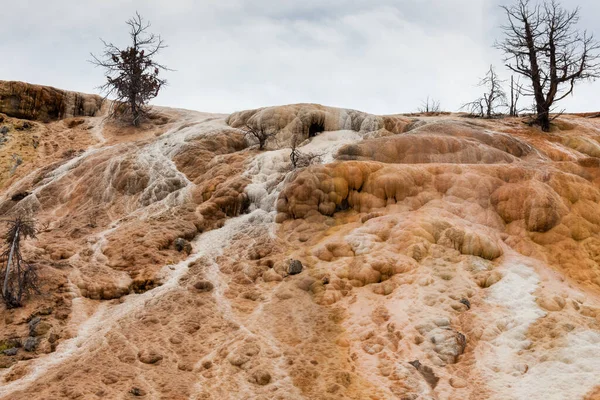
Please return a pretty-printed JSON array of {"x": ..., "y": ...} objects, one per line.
[{"x": 379, "y": 56}]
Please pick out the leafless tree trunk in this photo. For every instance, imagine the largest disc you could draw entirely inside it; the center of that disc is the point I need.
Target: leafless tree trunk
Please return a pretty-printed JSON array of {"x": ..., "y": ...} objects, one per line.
[
  {"x": 19, "y": 276},
  {"x": 300, "y": 159},
  {"x": 132, "y": 73},
  {"x": 430, "y": 106},
  {"x": 494, "y": 96},
  {"x": 515, "y": 93},
  {"x": 542, "y": 43},
  {"x": 259, "y": 133},
  {"x": 9, "y": 263}
]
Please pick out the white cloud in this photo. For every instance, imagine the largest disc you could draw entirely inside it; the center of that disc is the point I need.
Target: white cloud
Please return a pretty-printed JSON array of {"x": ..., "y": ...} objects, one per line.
[{"x": 381, "y": 56}]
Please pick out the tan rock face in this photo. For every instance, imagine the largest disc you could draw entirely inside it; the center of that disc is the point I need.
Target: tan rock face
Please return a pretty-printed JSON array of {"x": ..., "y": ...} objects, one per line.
[
  {"x": 308, "y": 120},
  {"x": 436, "y": 257},
  {"x": 45, "y": 103}
]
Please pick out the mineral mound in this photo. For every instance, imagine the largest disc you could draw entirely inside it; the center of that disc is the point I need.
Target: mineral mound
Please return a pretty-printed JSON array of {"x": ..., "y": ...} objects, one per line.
[{"x": 409, "y": 257}]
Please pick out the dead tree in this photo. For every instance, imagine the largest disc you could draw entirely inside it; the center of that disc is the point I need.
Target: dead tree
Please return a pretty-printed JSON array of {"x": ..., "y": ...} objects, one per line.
[
  {"x": 493, "y": 97},
  {"x": 475, "y": 108},
  {"x": 259, "y": 134},
  {"x": 430, "y": 106},
  {"x": 18, "y": 276},
  {"x": 515, "y": 94},
  {"x": 301, "y": 159},
  {"x": 132, "y": 74},
  {"x": 543, "y": 44}
]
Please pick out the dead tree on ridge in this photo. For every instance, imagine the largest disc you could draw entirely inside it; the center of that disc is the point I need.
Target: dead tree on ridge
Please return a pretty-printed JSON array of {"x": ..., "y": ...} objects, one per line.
[
  {"x": 487, "y": 105},
  {"x": 132, "y": 74},
  {"x": 18, "y": 277},
  {"x": 543, "y": 44},
  {"x": 430, "y": 106}
]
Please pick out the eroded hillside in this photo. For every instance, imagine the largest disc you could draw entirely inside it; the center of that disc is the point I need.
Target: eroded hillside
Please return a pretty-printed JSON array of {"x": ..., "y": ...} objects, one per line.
[{"x": 418, "y": 257}]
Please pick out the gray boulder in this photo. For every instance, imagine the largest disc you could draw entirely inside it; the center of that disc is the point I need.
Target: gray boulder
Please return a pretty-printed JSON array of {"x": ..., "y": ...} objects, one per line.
[
  {"x": 30, "y": 344},
  {"x": 295, "y": 267}
]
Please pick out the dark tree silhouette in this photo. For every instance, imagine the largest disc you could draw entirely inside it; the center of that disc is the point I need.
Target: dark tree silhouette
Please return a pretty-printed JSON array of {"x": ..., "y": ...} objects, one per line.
[
  {"x": 494, "y": 96},
  {"x": 515, "y": 93},
  {"x": 18, "y": 277},
  {"x": 543, "y": 44},
  {"x": 301, "y": 159},
  {"x": 259, "y": 133},
  {"x": 430, "y": 106},
  {"x": 132, "y": 74}
]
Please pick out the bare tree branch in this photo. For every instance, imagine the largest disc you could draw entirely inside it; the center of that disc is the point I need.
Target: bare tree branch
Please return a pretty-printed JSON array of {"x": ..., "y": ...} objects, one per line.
[
  {"x": 132, "y": 74},
  {"x": 259, "y": 134},
  {"x": 543, "y": 44},
  {"x": 301, "y": 159},
  {"x": 18, "y": 276},
  {"x": 430, "y": 106},
  {"x": 493, "y": 97}
]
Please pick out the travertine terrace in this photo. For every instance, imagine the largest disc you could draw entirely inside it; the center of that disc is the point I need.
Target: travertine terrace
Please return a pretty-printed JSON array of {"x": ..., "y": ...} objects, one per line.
[{"x": 443, "y": 257}]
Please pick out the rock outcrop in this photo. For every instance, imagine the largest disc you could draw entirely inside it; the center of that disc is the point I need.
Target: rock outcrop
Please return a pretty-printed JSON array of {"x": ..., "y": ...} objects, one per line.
[
  {"x": 45, "y": 103},
  {"x": 308, "y": 120}
]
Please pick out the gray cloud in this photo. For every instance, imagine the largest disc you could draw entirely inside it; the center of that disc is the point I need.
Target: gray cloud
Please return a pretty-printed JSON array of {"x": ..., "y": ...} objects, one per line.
[{"x": 381, "y": 56}]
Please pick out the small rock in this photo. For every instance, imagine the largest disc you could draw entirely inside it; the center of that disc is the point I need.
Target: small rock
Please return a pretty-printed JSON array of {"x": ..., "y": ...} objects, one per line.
[
  {"x": 4, "y": 130},
  {"x": 261, "y": 378},
  {"x": 137, "y": 391},
  {"x": 18, "y": 197},
  {"x": 466, "y": 302},
  {"x": 10, "y": 352},
  {"x": 449, "y": 344},
  {"x": 204, "y": 286},
  {"x": 38, "y": 327},
  {"x": 149, "y": 356},
  {"x": 183, "y": 245},
  {"x": 33, "y": 322},
  {"x": 457, "y": 383},
  {"x": 295, "y": 267},
  {"x": 30, "y": 344},
  {"x": 304, "y": 237},
  {"x": 426, "y": 372},
  {"x": 238, "y": 359}
]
